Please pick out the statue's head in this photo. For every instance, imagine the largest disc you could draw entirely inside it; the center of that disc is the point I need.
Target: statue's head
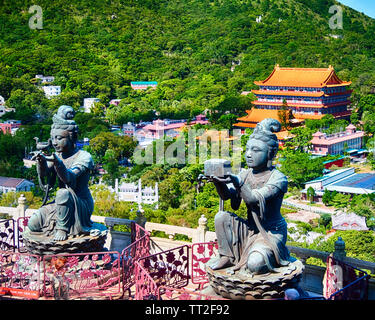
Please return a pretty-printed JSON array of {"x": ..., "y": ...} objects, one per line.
[
  {"x": 66, "y": 112},
  {"x": 64, "y": 131},
  {"x": 263, "y": 144}
]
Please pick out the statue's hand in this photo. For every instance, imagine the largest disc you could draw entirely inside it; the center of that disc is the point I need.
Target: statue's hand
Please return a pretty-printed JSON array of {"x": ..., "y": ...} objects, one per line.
[
  {"x": 236, "y": 180},
  {"x": 39, "y": 156},
  {"x": 52, "y": 158},
  {"x": 217, "y": 180}
]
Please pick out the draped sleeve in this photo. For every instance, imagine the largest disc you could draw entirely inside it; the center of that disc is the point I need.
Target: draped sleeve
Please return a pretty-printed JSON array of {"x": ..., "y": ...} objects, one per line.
[
  {"x": 277, "y": 184},
  {"x": 83, "y": 162}
]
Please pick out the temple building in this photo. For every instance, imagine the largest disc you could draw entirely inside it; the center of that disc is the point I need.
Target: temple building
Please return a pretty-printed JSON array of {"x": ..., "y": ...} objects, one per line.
[
  {"x": 309, "y": 93},
  {"x": 350, "y": 141}
]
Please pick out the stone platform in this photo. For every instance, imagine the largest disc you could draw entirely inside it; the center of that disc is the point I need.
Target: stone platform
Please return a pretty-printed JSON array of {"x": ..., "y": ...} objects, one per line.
[
  {"x": 241, "y": 285},
  {"x": 38, "y": 244}
]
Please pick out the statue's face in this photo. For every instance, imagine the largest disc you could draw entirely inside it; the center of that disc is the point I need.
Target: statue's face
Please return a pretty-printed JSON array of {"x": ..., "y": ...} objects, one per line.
[
  {"x": 256, "y": 154},
  {"x": 61, "y": 141}
]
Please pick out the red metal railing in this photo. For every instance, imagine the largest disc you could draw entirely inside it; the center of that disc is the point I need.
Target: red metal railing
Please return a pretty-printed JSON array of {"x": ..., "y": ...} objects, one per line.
[
  {"x": 140, "y": 247},
  {"x": 20, "y": 274},
  {"x": 82, "y": 275},
  {"x": 201, "y": 254},
  {"x": 145, "y": 286},
  {"x": 353, "y": 281},
  {"x": 168, "y": 268},
  {"x": 7, "y": 235}
]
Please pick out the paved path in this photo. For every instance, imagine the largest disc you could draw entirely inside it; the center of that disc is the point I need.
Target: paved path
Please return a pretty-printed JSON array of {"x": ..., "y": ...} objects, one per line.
[{"x": 306, "y": 207}]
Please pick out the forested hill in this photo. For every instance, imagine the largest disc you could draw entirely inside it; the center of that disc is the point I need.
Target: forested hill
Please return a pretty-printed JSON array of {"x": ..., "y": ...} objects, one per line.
[{"x": 95, "y": 48}]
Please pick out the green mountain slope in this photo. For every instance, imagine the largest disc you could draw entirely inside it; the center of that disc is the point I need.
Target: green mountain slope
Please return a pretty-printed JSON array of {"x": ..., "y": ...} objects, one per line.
[{"x": 189, "y": 46}]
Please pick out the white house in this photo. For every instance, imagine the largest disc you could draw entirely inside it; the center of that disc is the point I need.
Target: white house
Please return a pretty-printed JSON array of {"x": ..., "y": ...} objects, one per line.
[
  {"x": 15, "y": 184},
  {"x": 51, "y": 91},
  {"x": 134, "y": 192},
  {"x": 45, "y": 79},
  {"x": 88, "y": 103},
  {"x": 129, "y": 129},
  {"x": 2, "y": 110}
]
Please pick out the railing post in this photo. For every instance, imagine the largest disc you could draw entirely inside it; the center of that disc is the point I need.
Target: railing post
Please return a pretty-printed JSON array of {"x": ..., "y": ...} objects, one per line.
[
  {"x": 140, "y": 219},
  {"x": 339, "y": 252},
  {"x": 22, "y": 206},
  {"x": 200, "y": 235}
]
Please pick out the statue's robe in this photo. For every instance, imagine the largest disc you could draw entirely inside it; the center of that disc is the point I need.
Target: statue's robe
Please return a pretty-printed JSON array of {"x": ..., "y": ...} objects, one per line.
[
  {"x": 238, "y": 238},
  {"x": 71, "y": 210}
]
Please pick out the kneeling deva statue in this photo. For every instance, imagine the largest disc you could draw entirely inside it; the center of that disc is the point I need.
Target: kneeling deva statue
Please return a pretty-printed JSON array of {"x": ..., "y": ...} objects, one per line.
[{"x": 253, "y": 248}]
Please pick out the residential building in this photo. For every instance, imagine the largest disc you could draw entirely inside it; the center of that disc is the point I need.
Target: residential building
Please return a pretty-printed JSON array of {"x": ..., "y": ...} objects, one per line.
[
  {"x": 157, "y": 129},
  {"x": 2, "y": 110},
  {"x": 310, "y": 93},
  {"x": 129, "y": 129},
  {"x": 45, "y": 79},
  {"x": 15, "y": 184},
  {"x": 10, "y": 126},
  {"x": 88, "y": 103},
  {"x": 3, "y": 107},
  {"x": 199, "y": 119},
  {"x": 350, "y": 141},
  {"x": 51, "y": 91},
  {"x": 115, "y": 102},
  {"x": 143, "y": 85}
]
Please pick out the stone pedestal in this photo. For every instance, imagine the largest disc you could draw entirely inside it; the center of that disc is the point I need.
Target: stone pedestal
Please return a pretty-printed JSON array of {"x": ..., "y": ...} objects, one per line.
[
  {"x": 242, "y": 285},
  {"x": 37, "y": 243}
]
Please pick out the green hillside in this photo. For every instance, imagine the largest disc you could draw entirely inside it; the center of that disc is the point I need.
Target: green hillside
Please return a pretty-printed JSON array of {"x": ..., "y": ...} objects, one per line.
[{"x": 95, "y": 48}]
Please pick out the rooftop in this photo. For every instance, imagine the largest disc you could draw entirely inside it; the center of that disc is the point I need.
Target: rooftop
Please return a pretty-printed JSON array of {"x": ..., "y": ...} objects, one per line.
[
  {"x": 358, "y": 180},
  {"x": 303, "y": 77},
  {"x": 141, "y": 83},
  {"x": 257, "y": 115},
  {"x": 10, "y": 182}
]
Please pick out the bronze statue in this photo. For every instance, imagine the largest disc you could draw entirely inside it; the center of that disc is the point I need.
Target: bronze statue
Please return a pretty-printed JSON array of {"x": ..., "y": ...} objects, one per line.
[
  {"x": 256, "y": 245},
  {"x": 69, "y": 214}
]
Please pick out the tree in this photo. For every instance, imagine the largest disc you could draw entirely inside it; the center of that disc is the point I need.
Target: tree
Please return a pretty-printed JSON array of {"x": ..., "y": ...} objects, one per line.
[
  {"x": 300, "y": 168},
  {"x": 301, "y": 138},
  {"x": 90, "y": 125},
  {"x": 366, "y": 103},
  {"x": 310, "y": 193},
  {"x": 368, "y": 119},
  {"x": 325, "y": 219},
  {"x": 326, "y": 198},
  {"x": 111, "y": 166},
  {"x": 170, "y": 190},
  {"x": 341, "y": 200},
  {"x": 284, "y": 115},
  {"x": 122, "y": 146}
]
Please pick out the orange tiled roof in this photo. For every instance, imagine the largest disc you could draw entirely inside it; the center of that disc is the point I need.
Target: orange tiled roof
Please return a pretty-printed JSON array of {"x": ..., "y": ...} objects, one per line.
[
  {"x": 244, "y": 118},
  {"x": 285, "y": 134},
  {"x": 303, "y": 77},
  {"x": 245, "y": 125},
  {"x": 257, "y": 115}
]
